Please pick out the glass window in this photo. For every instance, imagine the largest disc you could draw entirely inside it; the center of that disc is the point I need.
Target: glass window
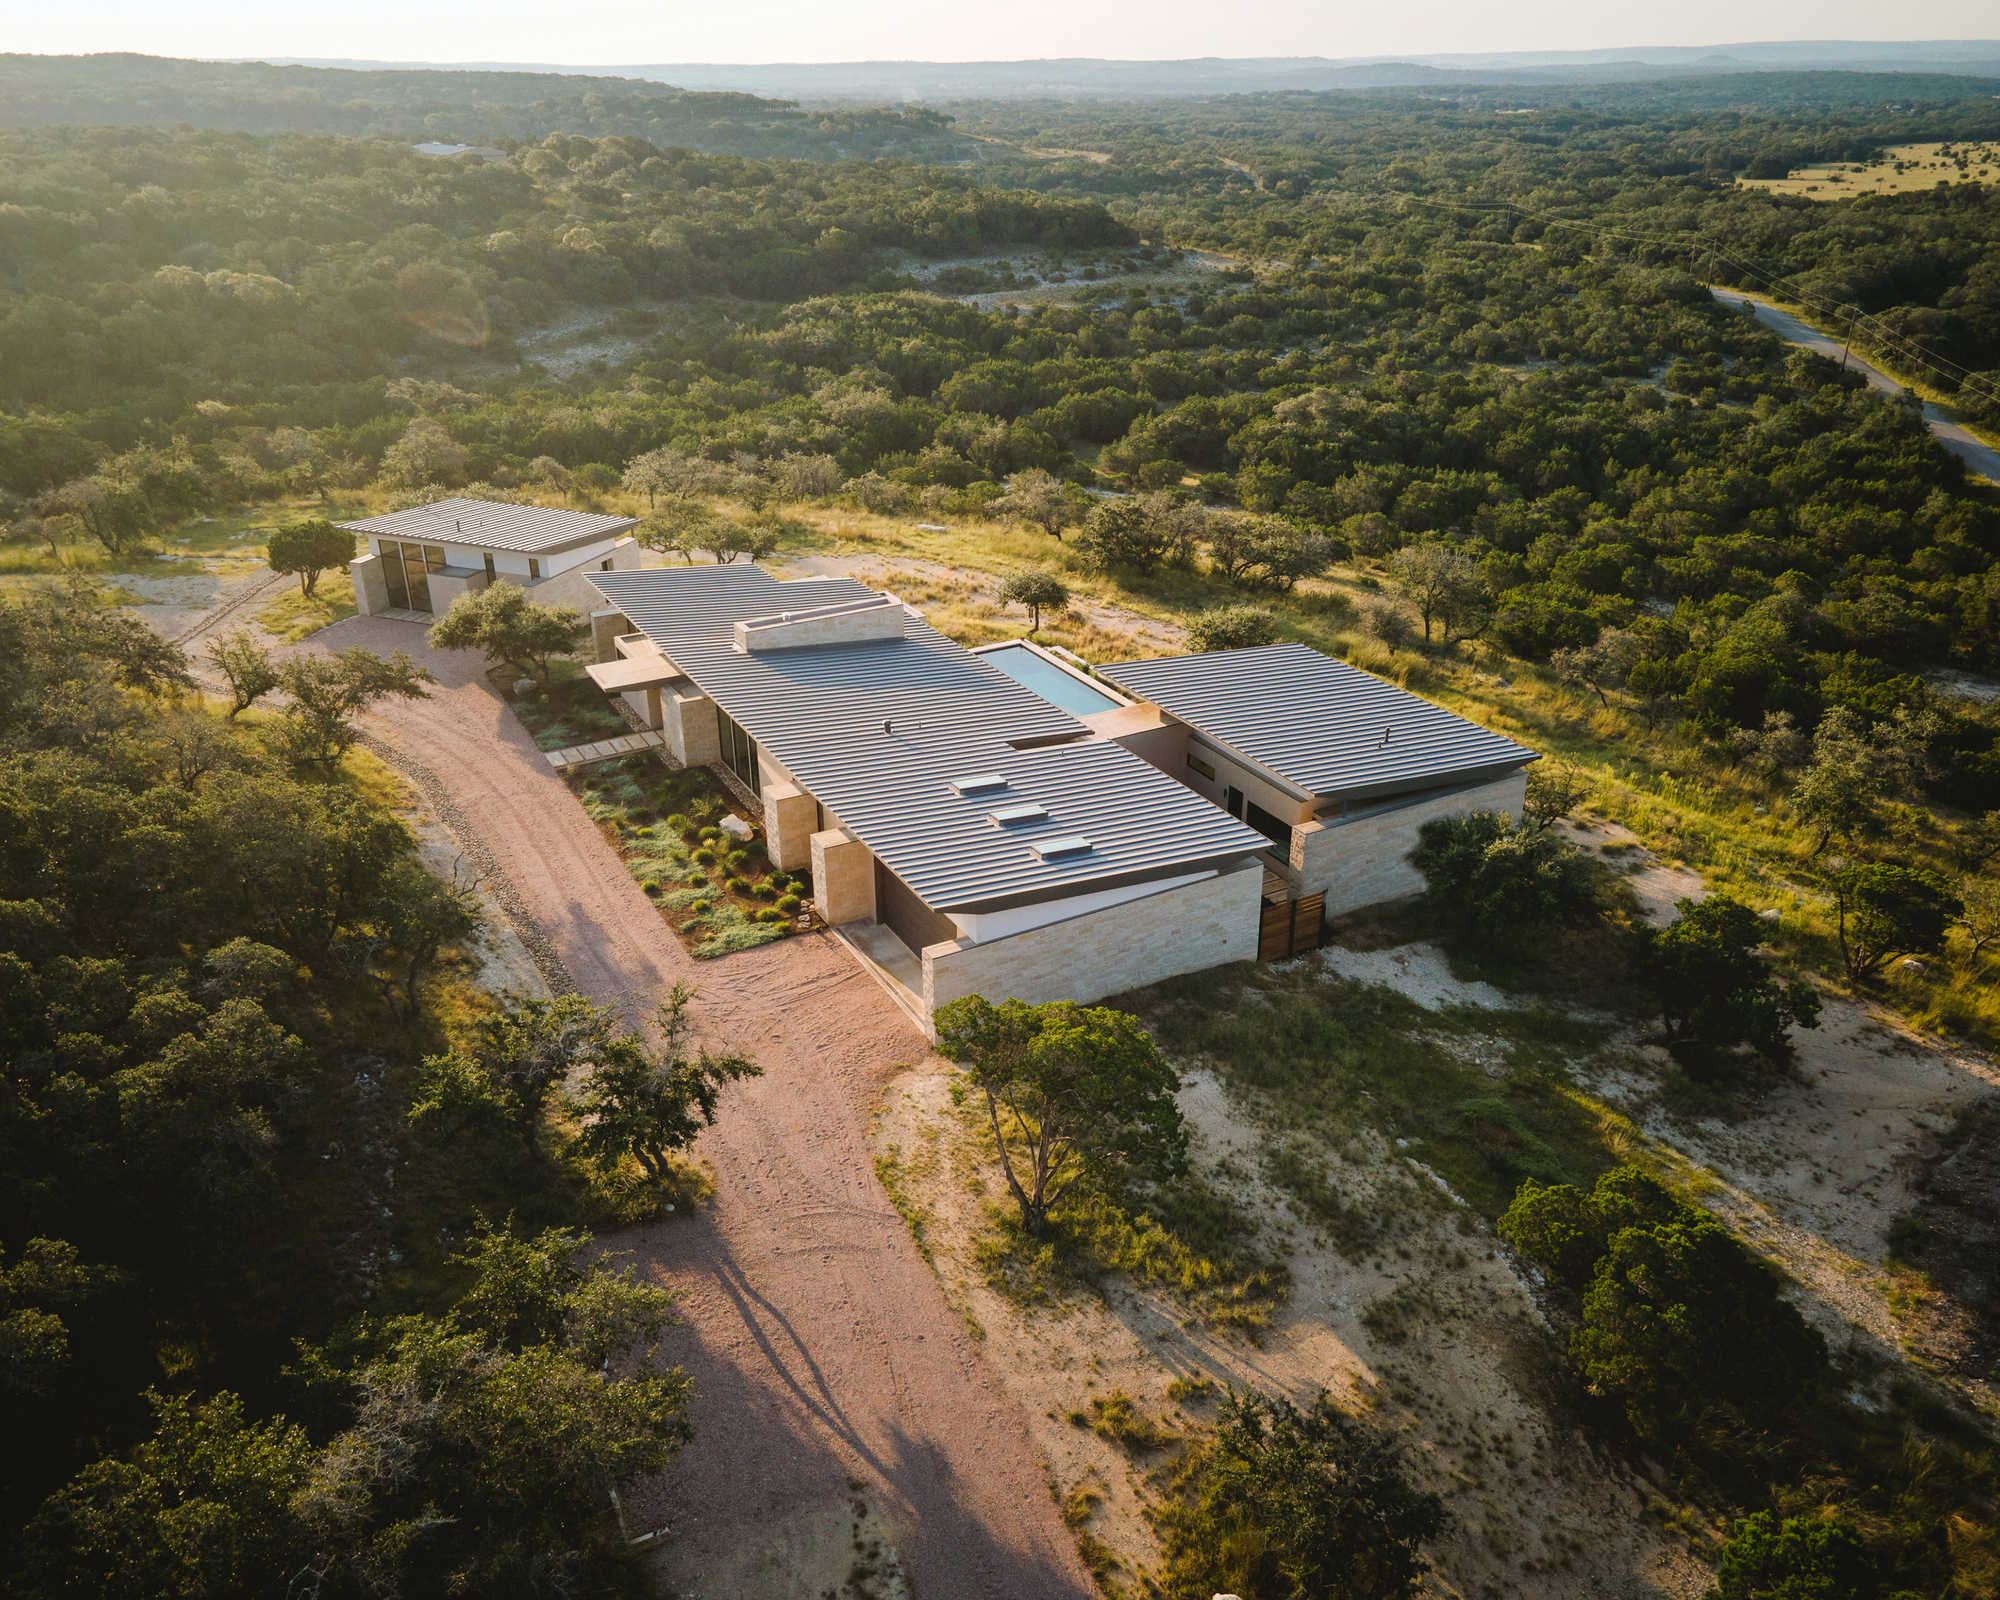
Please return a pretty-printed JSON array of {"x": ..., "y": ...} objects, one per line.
[
  {"x": 1202, "y": 767},
  {"x": 739, "y": 752},
  {"x": 489, "y": 566},
  {"x": 416, "y": 573},
  {"x": 391, "y": 555}
]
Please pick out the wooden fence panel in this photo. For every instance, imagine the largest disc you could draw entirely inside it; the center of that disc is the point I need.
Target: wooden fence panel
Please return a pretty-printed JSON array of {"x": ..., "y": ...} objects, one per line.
[{"x": 1274, "y": 933}]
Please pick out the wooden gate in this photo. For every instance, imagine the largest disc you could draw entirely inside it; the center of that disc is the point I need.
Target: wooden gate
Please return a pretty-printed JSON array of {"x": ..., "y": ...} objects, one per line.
[{"x": 1290, "y": 927}]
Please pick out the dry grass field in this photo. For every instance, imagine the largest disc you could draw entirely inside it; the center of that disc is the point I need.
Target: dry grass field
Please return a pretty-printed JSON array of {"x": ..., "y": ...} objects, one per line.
[{"x": 1902, "y": 169}]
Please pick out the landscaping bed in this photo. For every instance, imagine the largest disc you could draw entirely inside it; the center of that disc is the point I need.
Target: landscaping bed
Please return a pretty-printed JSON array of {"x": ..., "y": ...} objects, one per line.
[{"x": 711, "y": 876}]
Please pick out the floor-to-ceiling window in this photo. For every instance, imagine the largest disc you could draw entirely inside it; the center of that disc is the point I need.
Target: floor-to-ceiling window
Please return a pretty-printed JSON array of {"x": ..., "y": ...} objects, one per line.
[
  {"x": 739, "y": 752},
  {"x": 407, "y": 568}
]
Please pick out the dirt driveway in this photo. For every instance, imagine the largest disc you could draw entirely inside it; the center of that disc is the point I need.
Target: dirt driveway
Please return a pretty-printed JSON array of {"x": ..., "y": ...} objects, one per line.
[{"x": 830, "y": 1371}]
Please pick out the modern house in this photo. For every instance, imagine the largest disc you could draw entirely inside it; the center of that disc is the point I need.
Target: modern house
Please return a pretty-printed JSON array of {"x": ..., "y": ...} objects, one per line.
[
  {"x": 1000, "y": 821},
  {"x": 1335, "y": 767},
  {"x": 422, "y": 559}
]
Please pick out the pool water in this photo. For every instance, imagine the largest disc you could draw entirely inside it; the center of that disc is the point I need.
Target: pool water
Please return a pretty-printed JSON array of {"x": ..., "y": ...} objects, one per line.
[{"x": 1050, "y": 682}]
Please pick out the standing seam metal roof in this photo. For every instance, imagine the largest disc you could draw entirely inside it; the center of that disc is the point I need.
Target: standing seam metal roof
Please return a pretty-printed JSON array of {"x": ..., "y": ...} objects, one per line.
[
  {"x": 494, "y": 524},
  {"x": 820, "y": 710},
  {"x": 1319, "y": 723}
]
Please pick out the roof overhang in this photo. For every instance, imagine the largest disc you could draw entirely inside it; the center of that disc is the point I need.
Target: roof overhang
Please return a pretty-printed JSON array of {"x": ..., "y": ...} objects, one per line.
[{"x": 646, "y": 671}]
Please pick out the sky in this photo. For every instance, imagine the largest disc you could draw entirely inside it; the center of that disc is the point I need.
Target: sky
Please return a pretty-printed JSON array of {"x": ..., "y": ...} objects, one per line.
[{"x": 762, "y": 31}]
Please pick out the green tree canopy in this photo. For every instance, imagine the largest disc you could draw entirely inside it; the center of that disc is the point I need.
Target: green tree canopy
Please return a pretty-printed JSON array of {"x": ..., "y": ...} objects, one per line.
[
  {"x": 1494, "y": 876},
  {"x": 1039, "y": 590},
  {"x": 308, "y": 549},
  {"x": 1074, "y": 1094},
  {"x": 507, "y": 627},
  {"x": 1715, "y": 992}
]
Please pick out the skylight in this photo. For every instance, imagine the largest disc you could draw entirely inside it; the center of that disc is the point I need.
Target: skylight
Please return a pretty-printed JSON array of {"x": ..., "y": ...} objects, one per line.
[
  {"x": 978, "y": 783},
  {"x": 1007, "y": 816},
  {"x": 1072, "y": 844}
]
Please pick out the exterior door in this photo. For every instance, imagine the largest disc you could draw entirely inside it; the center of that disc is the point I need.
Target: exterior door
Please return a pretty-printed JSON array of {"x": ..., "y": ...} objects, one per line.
[
  {"x": 393, "y": 576},
  {"x": 1235, "y": 804}
]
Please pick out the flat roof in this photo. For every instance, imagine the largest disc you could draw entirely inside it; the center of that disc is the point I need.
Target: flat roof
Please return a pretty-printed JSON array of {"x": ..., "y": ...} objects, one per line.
[
  {"x": 493, "y": 525},
  {"x": 880, "y": 731},
  {"x": 1318, "y": 723}
]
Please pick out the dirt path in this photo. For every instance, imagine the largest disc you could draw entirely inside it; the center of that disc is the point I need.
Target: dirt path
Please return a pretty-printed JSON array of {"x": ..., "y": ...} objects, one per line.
[{"x": 828, "y": 1366}]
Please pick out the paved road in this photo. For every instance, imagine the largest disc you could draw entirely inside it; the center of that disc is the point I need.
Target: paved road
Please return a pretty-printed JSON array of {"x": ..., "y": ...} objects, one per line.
[
  {"x": 820, "y": 1343},
  {"x": 1979, "y": 458}
]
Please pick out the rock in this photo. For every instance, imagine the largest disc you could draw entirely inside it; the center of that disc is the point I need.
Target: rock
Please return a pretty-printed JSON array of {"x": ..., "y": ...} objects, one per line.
[
  {"x": 1770, "y": 914},
  {"x": 524, "y": 686},
  {"x": 1911, "y": 964},
  {"x": 1762, "y": 811},
  {"x": 736, "y": 827}
]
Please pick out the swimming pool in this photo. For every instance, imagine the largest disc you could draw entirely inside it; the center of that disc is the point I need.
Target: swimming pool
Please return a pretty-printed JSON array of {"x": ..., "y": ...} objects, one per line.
[{"x": 1053, "y": 684}]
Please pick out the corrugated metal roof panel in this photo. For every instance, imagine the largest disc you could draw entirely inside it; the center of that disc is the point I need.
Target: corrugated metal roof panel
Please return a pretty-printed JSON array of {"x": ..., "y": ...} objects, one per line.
[
  {"x": 1320, "y": 724},
  {"x": 821, "y": 711},
  {"x": 493, "y": 525}
]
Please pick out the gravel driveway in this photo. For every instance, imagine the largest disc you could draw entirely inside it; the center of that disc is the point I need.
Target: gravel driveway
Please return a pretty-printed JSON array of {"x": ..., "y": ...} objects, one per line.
[{"x": 828, "y": 1366}]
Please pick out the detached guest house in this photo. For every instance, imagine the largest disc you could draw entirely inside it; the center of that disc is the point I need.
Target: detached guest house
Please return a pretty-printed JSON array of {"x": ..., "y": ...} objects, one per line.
[
  {"x": 1001, "y": 821},
  {"x": 420, "y": 560}
]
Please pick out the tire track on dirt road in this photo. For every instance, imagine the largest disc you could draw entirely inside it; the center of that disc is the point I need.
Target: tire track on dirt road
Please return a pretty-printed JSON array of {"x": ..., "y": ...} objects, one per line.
[{"x": 823, "y": 1353}]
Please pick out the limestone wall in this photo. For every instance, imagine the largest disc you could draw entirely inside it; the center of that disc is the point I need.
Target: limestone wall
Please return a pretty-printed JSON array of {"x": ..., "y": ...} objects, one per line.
[
  {"x": 1362, "y": 862},
  {"x": 371, "y": 589},
  {"x": 1106, "y": 952}
]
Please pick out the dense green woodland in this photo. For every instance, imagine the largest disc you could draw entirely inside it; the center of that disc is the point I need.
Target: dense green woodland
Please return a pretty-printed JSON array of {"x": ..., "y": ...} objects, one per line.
[{"x": 1469, "y": 335}]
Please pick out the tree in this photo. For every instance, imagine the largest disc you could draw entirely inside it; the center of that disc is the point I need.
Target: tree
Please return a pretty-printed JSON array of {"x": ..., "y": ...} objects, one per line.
[
  {"x": 308, "y": 549},
  {"x": 425, "y": 454},
  {"x": 806, "y": 477},
  {"x": 1122, "y": 533},
  {"x": 1714, "y": 991},
  {"x": 1481, "y": 869},
  {"x": 1778, "y": 744},
  {"x": 1555, "y": 790},
  {"x": 1672, "y": 1315},
  {"x": 1801, "y": 1558},
  {"x": 328, "y": 692},
  {"x": 1443, "y": 583},
  {"x": 521, "y": 1061},
  {"x": 1979, "y": 918},
  {"x": 1598, "y": 666},
  {"x": 109, "y": 511},
  {"x": 202, "y": 1509},
  {"x": 507, "y": 627},
  {"x": 1230, "y": 628},
  {"x": 673, "y": 473},
  {"x": 1085, "y": 1094},
  {"x": 1978, "y": 841},
  {"x": 1298, "y": 1504},
  {"x": 1038, "y": 497},
  {"x": 1039, "y": 590},
  {"x": 246, "y": 665},
  {"x": 416, "y": 915},
  {"x": 34, "y": 1340},
  {"x": 1836, "y": 793},
  {"x": 1886, "y": 911},
  {"x": 1390, "y": 625},
  {"x": 650, "y": 1102},
  {"x": 873, "y": 492}
]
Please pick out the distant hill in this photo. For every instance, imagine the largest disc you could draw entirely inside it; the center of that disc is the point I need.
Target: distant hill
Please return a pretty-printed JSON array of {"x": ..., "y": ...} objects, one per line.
[
  {"x": 1082, "y": 77},
  {"x": 448, "y": 106}
]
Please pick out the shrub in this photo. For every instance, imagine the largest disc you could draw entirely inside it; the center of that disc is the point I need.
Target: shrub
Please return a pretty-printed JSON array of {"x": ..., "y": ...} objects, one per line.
[
  {"x": 1292, "y": 1504},
  {"x": 697, "y": 880},
  {"x": 766, "y": 914},
  {"x": 1714, "y": 991},
  {"x": 705, "y": 856},
  {"x": 1483, "y": 869},
  {"x": 789, "y": 904},
  {"x": 1673, "y": 1315},
  {"x": 763, "y": 891},
  {"x": 1801, "y": 1558},
  {"x": 736, "y": 885},
  {"x": 736, "y": 858},
  {"x": 780, "y": 880},
  {"x": 1886, "y": 910},
  {"x": 710, "y": 835},
  {"x": 1230, "y": 628},
  {"x": 699, "y": 906}
]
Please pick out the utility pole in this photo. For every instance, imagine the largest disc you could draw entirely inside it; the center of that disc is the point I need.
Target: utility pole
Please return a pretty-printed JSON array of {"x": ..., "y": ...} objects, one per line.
[{"x": 1848, "y": 340}]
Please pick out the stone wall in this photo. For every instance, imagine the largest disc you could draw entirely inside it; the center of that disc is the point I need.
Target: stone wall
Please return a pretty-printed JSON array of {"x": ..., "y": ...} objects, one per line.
[
  {"x": 371, "y": 589},
  {"x": 791, "y": 817},
  {"x": 1362, "y": 862},
  {"x": 843, "y": 874},
  {"x": 1106, "y": 952}
]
